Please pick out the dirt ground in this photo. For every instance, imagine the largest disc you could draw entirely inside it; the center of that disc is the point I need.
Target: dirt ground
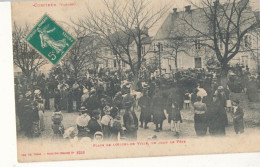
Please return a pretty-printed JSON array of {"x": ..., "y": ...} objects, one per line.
[{"x": 251, "y": 119}]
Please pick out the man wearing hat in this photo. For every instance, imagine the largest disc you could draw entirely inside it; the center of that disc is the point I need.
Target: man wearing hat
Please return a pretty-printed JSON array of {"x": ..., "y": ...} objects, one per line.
[
  {"x": 237, "y": 115},
  {"x": 128, "y": 100}
]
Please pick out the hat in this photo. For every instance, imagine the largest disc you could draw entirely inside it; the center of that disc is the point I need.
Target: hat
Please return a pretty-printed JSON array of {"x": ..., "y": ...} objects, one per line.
[
  {"x": 107, "y": 109},
  {"x": 128, "y": 86},
  {"x": 28, "y": 93},
  {"x": 83, "y": 109},
  {"x": 98, "y": 133},
  {"x": 37, "y": 91},
  {"x": 145, "y": 85},
  {"x": 85, "y": 91},
  {"x": 92, "y": 90},
  {"x": 220, "y": 87}
]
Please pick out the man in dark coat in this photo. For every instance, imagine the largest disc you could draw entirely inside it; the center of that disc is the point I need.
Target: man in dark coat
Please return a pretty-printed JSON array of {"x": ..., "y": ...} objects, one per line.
[
  {"x": 47, "y": 95},
  {"x": 70, "y": 99},
  {"x": 27, "y": 115},
  {"x": 93, "y": 102},
  {"x": 158, "y": 113},
  {"x": 144, "y": 103},
  {"x": 128, "y": 100}
]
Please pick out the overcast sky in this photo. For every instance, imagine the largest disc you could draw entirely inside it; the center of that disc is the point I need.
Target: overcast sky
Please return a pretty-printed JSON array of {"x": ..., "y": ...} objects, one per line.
[{"x": 25, "y": 12}]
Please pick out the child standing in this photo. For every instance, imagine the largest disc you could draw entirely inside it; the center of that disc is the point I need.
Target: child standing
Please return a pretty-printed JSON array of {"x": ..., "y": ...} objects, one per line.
[
  {"x": 237, "y": 115},
  {"x": 175, "y": 119},
  {"x": 57, "y": 126},
  {"x": 187, "y": 100}
]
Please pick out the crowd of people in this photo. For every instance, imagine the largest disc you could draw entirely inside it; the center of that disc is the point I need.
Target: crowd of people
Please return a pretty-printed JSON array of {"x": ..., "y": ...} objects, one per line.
[{"x": 108, "y": 103}]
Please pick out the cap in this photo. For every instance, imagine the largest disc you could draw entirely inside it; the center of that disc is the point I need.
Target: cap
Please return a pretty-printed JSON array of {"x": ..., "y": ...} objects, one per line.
[{"x": 220, "y": 87}]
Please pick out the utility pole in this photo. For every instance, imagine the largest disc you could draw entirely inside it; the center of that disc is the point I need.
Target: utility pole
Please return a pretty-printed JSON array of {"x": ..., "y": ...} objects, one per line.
[
  {"x": 159, "y": 52},
  {"x": 160, "y": 48}
]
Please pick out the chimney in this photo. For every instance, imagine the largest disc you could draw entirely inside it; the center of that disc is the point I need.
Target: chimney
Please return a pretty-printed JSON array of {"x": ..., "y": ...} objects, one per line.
[
  {"x": 174, "y": 10},
  {"x": 187, "y": 8}
]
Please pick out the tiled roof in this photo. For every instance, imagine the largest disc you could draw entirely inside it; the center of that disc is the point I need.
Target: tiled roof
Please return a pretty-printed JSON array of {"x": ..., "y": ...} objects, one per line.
[{"x": 174, "y": 25}]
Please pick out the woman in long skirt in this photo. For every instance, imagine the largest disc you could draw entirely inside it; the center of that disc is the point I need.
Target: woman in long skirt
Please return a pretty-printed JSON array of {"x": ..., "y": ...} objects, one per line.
[
  {"x": 200, "y": 119},
  {"x": 41, "y": 116}
]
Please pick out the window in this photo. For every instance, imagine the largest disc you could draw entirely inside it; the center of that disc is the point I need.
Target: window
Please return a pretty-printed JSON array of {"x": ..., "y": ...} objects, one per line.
[
  {"x": 220, "y": 44},
  {"x": 106, "y": 63},
  {"x": 198, "y": 63},
  {"x": 143, "y": 49},
  {"x": 247, "y": 40},
  {"x": 119, "y": 63},
  {"x": 114, "y": 51},
  {"x": 161, "y": 47},
  {"x": 114, "y": 63},
  {"x": 197, "y": 44},
  {"x": 244, "y": 61}
]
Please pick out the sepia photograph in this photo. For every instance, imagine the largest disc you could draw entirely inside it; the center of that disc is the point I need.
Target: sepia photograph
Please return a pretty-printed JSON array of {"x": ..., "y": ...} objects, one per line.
[{"x": 135, "y": 78}]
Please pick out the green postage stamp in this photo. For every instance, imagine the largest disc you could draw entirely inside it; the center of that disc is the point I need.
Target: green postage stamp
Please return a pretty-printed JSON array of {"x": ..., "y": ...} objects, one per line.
[{"x": 49, "y": 39}]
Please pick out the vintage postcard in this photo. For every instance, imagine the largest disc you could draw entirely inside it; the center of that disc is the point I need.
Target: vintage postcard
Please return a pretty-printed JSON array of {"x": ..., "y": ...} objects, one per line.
[{"x": 135, "y": 78}]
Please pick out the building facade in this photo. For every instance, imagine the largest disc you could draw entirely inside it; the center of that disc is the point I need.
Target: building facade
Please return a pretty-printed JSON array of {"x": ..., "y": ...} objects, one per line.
[{"x": 191, "y": 47}]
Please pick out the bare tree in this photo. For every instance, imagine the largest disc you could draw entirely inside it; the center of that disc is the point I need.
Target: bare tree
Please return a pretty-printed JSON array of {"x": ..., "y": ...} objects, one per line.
[
  {"x": 224, "y": 24},
  {"x": 25, "y": 57},
  {"x": 84, "y": 53},
  {"x": 124, "y": 26},
  {"x": 175, "y": 46}
]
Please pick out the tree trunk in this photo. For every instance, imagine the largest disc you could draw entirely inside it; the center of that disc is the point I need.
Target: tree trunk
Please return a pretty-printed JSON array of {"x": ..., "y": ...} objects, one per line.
[
  {"x": 223, "y": 75},
  {"x": 176, "y": 62},
  {"x": 136, "y": 77}
]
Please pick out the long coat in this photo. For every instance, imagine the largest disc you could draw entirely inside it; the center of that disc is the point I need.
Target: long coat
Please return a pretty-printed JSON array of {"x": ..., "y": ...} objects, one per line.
[
  {"x": 217, "y": 119},
  {"x": 238, "y": 120},
  {"x": 144, "y": 103},
  {"x": 158, "y": 107},
  {"x": 131, "y": 124}
]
